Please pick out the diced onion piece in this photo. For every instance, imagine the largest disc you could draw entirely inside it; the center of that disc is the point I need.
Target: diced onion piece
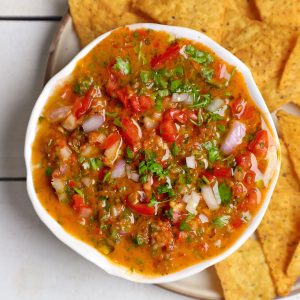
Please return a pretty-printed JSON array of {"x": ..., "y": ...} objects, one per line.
[
  {"x": 138, "y": 128},
  {"x": 93, "y": 123},
  {"x": 59, "y": 186},
  {"x": 192, "y": 202},
  {"x": 272, "y": 162},
  {"x": 85, "y": 212},
  {"x": 215, "y": 104},
  {"x": 166, "y": 155},
  {"x": 119, "y": 169},
  {"x": 150, "y": 123},
  {"x": 203, "y": 218},
  {"x": 234, "y": 137},
  {"x": 168, "y": 180},
  {"x": 216, "y": 193},
  {"x": 224, "y": 73},
  {"x": 65, "y": 153},
  {"x": 111, "y": 154},
  {"x": 209, "y": 197},
  {"x": 191, "y": 162},
  {"x": 58, "y": 114},
  {"x": 182, "y": 52},
  {"x": 182, "y": 97},
  {"x": 254, "y": 168},
  {"x": 134, "y": 176},
  {"x": 70, "y": 123}
]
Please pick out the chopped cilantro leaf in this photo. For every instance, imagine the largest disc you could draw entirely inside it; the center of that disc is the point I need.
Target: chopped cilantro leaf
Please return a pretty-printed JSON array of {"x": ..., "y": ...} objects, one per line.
[
  {"x": 78, "y": 191},
  {"x": 213, "y": 152},
  {"x": 96, "y": 164},
  {"x": 201, "y": 57},
  {"x": 48, "y": 171},
  {"x": 166, "y": 189},
  {"x": 82, "y": 85},
  {"x": 106, "y": 177},
  {"x": 201, "y": 101},
  {"x": 178, "y": 70},
  {"x": 175, "y": 84},
  {"x": 111, "y": 114},
  {"x": 207, "y": 73},
  {"x": 225, "y": 193},
  {"x": 145, "y": 76},
  {"x": 118, "y": 123},
  {"x": 122, "y": 65},
  {"x": 184, "y": 226},
  {"x": 221, "y": 127},
  {"x": 174, "y": 149},
  {"x": 163, "y": 93},
  {"x": 129, "y": 154},
  {"x": 159, "y": 80},
  {"x": 221, "y": 221}
]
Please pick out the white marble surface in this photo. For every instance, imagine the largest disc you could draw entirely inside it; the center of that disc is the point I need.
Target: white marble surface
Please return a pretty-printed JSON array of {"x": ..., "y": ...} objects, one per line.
[{"x": 33, "y": 263}]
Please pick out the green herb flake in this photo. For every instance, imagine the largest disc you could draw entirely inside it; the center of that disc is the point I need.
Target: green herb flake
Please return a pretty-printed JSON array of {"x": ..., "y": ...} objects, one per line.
[
  {"x": 220, "y": 222},
  {"x": 106, "y": 177},
  {"x": 48, "y": 171},
  {"x": 163, "y": 93},
  {"x": 82, "y": 85},
  {"x": 225, "y": 193},
  {"x": 145, "y": 76},
  {"x": 200, "y": 57},
  {"x": 79, "y": 191},
  {"x": 166, "y": 189},
  {"x": 221, "y": 127},
  {"x": 175, "y": 84},
  {"x": 184, "y": 226},
  {"x": 207, "y": 73},
  {"x": 122, "y": 65},
  {"x": 96, "y": 164},
  {"x": 174, "y": 149},
  {"x": 118, "y": 122}
]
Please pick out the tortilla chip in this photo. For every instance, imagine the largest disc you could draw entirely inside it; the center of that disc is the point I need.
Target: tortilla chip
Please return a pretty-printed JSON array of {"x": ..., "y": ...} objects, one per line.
[
  {"x": 290, "y": 129},
  {"x": 294, "y": 265},
  {"x": 91, "y": 18},
  {"x": 279, "y": 230},
  {"x": 247, "y": 8},
  {"x": 263, "y": 48},
  {"x": 245, "y": 274},
  {"x": 201, "y": 15},
  {"x": 284, "y": 13},
  {"x": 289, "y": 83}
]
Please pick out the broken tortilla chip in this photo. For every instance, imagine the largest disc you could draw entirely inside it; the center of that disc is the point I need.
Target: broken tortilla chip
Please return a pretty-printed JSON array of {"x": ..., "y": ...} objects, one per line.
[
  {"x": 279, "y": 230},
  {"x": 92, "y": 18},
  {"x": 284, "y": 13},
  {"x": 245, "y": 274},
  {"x": 290, "y": 128},
  {"x": 294, "y": 265},
  {"x": 201, "y": 15},
  {"x": 263, "y": 48},
  {"x": 289, "y": 82},
  {"x": 247, "y": 8}
]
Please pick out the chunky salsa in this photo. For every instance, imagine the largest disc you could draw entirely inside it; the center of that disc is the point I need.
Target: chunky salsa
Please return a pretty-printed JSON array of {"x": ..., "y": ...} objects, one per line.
[{"x": 153, "y": 152}]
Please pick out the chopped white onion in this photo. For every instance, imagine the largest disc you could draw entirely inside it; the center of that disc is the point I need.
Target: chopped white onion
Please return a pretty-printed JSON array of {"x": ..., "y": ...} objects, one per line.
[
  {"x": 177, "y": 126},
  {"x": 182, "y": 52},
  {"x": 111, "y": 154},
  {"x": 209, "y": 197},
  {"x": 216, "y": 193},
  {"x": 246, "y": 216},
  {"x": 215, "y": 104},
  {"x": 254, "y": 167},
  {"x": 272, "y": 162},
  {"x": 218, "y": 243},
  {"x": 203, "y": 218},
  {"x": 182, "y": 97},
  {"x": 138, "y": 128},
  {"x": 234, "y": 137},
  {"x": 59, "y": 186},
  {"x": 134, "y": 176},
  {"x": 168, "y": 180},
  {"x": 65, "y": 152},
  {"x": 142, "y": 195},
  {"x": 119, "y": 169},
  {"x": 191, "y": 162},
  {"x": 93, "y": 123},
  {"x": 205, "y": 162},
  {"x": 221, "y": 111},
  {"x": 166, "y": 155},
  {"x": 192, "y": 202},
  {"x": 70, "y": 122},
  {"x": 150, "y": 123},
  {"x": 58, "y": 114},
  {"x": 224, "y": 73}
]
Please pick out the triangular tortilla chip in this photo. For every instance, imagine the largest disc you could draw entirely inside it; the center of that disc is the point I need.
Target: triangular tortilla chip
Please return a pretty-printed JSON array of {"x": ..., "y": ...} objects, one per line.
[
  {"x": 290, "y": 128},
  {"x": 91, "y": 18},
  {"x": 263, "y": 48},
  {"x": 294, "y": 265},
  {"x": 245, "y": 274},
  {"x": 202, "y": 15},
  {"x": 284, "y": 13},
  {"x": 289, "y": 83},
  {"x": 247, "y": 8},
  {"x": 279, "y": 230}
]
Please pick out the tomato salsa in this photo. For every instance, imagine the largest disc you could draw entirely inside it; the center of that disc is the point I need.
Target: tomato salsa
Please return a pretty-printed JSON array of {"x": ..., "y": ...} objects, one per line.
[{"x": 153, "y": 152}]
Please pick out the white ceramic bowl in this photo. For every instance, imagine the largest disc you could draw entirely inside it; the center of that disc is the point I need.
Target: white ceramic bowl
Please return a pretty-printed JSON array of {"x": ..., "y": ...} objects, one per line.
[{"x": 91, "y": 253}]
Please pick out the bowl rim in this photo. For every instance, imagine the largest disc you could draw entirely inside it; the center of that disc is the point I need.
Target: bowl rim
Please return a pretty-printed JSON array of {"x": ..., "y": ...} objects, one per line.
[{"x": 89, "y": 252}]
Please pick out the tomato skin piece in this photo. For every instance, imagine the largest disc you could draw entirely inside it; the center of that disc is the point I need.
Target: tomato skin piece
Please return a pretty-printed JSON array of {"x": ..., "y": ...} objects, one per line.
[
  {"x": 244, "y": 161},
  {"x": 140, "y": 208},
  {"x": 170, "y": 53},
  {"x": 78, "y": 202},
  {"x": 130, "y": 133},
  {"x": 222, "y": 172},
  {"x": 167, "y": 128},
  {"x": 237, "y": 223},
  {"x": 122, "y": 95},
  {"x": 238, "y": 107},
  {"x": 110, "y": 140},
  {"x": 259, "y": 145},
  {"x": 82, "y": 105},
  {"x": 249, "y": 179},
  {"x": 145, "y": 102}
]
